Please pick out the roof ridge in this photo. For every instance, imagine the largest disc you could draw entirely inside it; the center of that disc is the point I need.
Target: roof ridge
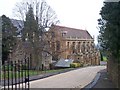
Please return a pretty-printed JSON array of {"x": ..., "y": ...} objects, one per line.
[
  {"x": 73, "y": 32},
  {"x": 69, "y": 27}
]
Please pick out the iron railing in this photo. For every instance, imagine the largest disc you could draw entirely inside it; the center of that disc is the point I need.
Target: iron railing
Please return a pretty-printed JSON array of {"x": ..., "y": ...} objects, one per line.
[{"x": 15, "y": 75}]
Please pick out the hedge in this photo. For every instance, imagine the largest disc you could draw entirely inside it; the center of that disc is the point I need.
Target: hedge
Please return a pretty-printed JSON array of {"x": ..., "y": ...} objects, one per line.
[{"x": 75, "y": 65}]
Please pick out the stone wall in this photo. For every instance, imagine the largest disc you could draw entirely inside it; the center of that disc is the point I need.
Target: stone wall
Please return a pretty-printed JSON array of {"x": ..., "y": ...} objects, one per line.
[{"x": 113, "y": 69}]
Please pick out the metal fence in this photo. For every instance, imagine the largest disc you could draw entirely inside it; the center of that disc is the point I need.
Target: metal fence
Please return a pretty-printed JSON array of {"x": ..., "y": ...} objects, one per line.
[
  {"x": 15, "y": 75},
  {"x": 0, "y": 74}
]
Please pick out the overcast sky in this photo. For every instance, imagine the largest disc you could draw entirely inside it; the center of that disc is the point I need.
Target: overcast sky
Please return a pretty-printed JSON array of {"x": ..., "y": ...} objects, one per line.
[{"x": 81, "y": 14}]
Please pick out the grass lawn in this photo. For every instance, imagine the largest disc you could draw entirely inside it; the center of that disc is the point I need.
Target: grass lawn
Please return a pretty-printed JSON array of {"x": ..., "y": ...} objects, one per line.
[
  {"x": 31, "y": 73},
  {"x": 104, "y": 58}
]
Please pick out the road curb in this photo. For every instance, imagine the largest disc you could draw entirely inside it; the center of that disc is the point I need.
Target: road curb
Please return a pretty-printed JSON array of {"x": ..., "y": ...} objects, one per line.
[{"x": 94, "y": 81}]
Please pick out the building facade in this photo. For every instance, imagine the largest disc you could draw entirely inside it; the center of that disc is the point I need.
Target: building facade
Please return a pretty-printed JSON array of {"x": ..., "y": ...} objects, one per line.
[
  {"x": 59, "y": 43},
  {"x": 76, "y": 44},
  {"x": 25, "y": 50}
]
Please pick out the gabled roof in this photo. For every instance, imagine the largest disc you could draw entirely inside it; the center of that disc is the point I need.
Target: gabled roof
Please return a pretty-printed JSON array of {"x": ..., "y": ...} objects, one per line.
[{"x": 72, "y": 32}]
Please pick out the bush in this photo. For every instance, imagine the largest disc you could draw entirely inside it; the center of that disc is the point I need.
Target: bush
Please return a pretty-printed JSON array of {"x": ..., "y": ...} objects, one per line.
[{"x": 75, "y": 65}]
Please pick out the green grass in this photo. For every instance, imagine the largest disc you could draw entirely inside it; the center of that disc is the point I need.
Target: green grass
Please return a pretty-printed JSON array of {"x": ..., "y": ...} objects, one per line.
[
  {"x": 31, "y": 73},
  {"x": 104, "y": 58},
  {"x": 14, "y": 74}
]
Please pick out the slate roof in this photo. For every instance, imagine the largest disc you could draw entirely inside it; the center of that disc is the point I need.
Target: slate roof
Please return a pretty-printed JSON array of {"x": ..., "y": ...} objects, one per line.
[
  {"x": 18, "y": 23},
  {"x": 64, "y": 63},
  {"x": 73, "y": 32}
]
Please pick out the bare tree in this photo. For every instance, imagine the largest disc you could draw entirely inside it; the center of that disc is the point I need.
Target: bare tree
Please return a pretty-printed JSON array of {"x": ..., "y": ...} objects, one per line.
[
  {"x": 44, "y": 16},
  {"x": 43, "y": 13}
]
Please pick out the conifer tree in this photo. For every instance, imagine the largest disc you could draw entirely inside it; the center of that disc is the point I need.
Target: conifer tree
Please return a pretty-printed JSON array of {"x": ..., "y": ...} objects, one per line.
[
  {"x": 8, "y": 37},
  {"x": 109, "y": 24}
]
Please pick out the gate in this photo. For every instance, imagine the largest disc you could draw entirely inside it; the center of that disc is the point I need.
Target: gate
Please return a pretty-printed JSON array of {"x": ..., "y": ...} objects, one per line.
[{"x": 15, "y": 75}]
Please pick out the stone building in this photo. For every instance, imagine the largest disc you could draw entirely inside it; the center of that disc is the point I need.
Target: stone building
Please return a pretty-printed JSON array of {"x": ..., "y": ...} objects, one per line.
[
  {"x": 71, "y": 43},
  {"x": 60, "y": 43},
  {"x": 24, "y": 50}
]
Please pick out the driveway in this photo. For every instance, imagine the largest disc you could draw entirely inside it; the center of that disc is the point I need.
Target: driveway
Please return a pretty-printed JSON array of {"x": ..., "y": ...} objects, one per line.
[
  {"x": 73, "y": 79},
  {"x": 103, "y": 63}
]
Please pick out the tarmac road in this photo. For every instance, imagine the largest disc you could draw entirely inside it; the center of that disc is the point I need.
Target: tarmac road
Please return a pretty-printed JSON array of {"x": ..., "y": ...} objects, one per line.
[{"x": 73, "y": 79}]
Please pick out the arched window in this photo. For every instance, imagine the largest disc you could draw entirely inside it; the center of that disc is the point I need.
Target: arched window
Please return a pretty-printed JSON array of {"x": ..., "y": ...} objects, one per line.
[{"x": 68, "y": 44}]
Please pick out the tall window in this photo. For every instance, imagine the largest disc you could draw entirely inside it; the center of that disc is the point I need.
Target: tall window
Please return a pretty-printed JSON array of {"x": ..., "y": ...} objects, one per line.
[
  {"x": 83, "y": 47},
  {"x": 53, "y": 34},
  {"x": 88, "y": 47},
  {"x": 92, "y": 46},
  {"x": 68, "y": 44},
  {"x": 73, "y": 47},
  {"x": 57, "y": 45},
  {"x": 78, "y": 47}
]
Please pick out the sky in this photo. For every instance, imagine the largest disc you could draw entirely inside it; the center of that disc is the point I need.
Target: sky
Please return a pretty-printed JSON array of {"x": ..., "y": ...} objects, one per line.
[{"x": 80, "y": 14}]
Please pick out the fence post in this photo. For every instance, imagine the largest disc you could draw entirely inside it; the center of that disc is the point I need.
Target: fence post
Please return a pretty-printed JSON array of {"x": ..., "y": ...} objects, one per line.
[
  {"x": 1, "y": 53},
  {"x": 22, "y": 73},
  {"x": 4, "y": 74},
  {"x": 19, "y": 73},
  {"x": 28, "y": 72},
  {"x": 25, "y": 73},
  {"x": 8, "y": 72},
  {"x": 1, "y": 74},
  {"x": 11, "y": 73},
  {"x": 15, "y": 73}
]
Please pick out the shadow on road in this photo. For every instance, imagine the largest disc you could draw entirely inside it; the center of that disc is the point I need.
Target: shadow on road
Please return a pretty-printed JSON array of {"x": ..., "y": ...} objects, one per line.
[{"x": 103, "y": 82}]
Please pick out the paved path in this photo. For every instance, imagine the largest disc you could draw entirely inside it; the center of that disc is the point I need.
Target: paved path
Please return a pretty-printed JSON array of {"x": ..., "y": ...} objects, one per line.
[
  {"x": 104, "y": 81},
  {"x": 73, "y": 79},
  {"x": 103, "y": 63}
]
